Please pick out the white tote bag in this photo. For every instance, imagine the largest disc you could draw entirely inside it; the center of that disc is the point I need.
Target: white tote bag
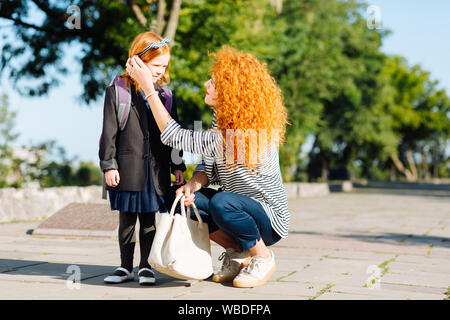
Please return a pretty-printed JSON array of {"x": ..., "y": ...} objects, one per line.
[{"x": 181, "y": 247}]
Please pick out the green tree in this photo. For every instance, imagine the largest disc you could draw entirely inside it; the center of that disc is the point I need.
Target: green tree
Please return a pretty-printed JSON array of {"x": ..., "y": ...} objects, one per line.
[
  {"x": 10, "y": 164},
  {"x": 367, "y": 112},
  {"x": 54, "y": 169},
  {"x": 329, "y": 67},
  {"x": 420, "y": 113},
  {"x": 205, "y": 26},
  {"x": 106, "y": 28},
  {"x": 87, "y": 174},
  {"x": 106, "y": 31}
]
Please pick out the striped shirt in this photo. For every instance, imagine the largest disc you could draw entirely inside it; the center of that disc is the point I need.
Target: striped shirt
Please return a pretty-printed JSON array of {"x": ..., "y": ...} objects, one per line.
[{"x": 264, "y": 185}]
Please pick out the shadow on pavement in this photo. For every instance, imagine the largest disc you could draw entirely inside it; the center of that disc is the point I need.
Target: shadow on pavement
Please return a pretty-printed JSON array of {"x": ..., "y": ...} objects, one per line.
[
  {"x": 404, "y": 192},
  {"x": 86, "y": 274},
  {"x": 400, "y": 239}
]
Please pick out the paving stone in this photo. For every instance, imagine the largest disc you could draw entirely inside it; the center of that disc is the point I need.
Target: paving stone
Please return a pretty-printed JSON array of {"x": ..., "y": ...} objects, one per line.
[
  {"x": 410, "y": 288},
  {"x": 361, "y": 255},
  {"x": 399, "y": 267},
  {"x": 422, "y": 259},
  {"x": 331, "y": 242},
  {"x": 354, "y": 296},
  {"x": 385, "y": 291},
  {"x": 440, "y": 280}
]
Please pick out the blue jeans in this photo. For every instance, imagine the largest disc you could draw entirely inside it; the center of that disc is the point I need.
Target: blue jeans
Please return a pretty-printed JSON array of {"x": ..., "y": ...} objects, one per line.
[{"x": 239, "y": 216}]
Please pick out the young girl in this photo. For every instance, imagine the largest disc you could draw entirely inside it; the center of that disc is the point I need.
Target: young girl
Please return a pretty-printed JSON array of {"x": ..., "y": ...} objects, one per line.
[{"x": 137, "y": 165}]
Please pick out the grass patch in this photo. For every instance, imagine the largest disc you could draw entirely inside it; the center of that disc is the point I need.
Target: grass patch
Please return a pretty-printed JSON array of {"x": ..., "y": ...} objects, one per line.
[
  {"x": 289, "y": 274},
  {"x": 324, "y": 256},
  {"x": 384, "y": 264},
  {"x": 13, "y": 221},
  {"x": 323, "y": 291},
  {"x": 384, "y": 269},
  {"x": 430, "y": 246},
  {"x": 447, "y": 294}
]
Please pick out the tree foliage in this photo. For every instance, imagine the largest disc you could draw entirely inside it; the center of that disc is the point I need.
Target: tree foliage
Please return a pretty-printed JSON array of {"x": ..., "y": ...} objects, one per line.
[{"x": 370, "y": 115}]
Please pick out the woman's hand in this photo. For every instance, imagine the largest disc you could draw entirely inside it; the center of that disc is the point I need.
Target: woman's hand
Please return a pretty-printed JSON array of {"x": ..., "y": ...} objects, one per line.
[
  {"x": 140, "y": 73},
  {"x": 179, "y": 175},
  {"x": 189, "y": 196},
  {"x": 112, "y": 178},
  {"x": 143, "y": 76}
]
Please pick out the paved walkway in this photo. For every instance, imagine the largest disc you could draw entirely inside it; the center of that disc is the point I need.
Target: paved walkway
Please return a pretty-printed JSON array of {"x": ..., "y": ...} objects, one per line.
[{"x": 368, "y": 244}]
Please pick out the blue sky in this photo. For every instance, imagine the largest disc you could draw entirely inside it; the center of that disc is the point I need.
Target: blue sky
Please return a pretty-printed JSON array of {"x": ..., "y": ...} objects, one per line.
[{"x": 420, "y": 32}]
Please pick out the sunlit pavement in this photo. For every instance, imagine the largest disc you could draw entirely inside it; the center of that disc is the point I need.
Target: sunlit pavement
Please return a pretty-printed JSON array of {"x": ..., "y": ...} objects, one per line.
[{"x": 374, "y": 244}]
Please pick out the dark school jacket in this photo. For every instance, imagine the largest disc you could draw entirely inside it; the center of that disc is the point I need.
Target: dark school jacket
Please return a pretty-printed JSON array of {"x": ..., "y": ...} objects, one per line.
[{"x": 128, "y": 150}]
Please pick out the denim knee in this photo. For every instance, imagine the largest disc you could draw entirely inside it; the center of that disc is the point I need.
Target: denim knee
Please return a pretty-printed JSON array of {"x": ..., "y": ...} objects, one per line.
[{"x": 220, "y": 207}]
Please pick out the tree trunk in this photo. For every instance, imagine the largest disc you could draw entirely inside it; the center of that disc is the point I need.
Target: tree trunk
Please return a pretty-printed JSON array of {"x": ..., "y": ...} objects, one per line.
[
  {"x": 160, "y": 23},
  {"x": 324, "y": 170},
  {"x": 392, "y": 176},
  {"x": 425, "y": 166},
  {"x": 278, "y": 4},
  {"x": 436, "y": 159},
  {"x": 137, "y": 13},
  {"x": 401, "y": 168},
  {"x": 173, "y": 20},
  {"x": 412, "y": 164}
]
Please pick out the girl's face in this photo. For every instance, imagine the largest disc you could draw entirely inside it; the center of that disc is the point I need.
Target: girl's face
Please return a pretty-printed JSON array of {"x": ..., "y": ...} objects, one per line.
[
  {"x": 158, "y": 66},
  {"x": 211, "y": 94}
]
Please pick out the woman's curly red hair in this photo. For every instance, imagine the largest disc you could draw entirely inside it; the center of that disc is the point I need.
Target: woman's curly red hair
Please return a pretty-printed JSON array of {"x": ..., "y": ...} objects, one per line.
[{"x": 248, "y": 97}]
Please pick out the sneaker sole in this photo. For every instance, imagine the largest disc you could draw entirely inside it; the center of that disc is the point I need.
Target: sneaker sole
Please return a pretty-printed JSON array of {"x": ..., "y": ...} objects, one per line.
[
  {"x": 219, "y": 279},
  {"x": 254, "y": 283}
]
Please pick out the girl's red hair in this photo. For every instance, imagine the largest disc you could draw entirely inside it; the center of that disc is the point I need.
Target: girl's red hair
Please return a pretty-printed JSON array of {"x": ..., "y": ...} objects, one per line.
[{"x": 139, "y": 44}]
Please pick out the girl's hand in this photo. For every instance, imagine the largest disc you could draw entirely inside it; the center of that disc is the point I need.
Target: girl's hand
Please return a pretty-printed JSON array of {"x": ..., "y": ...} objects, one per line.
[
  {"x": 140, "y": 73},
  {"x": 179, "y": 175},
  {"x": 112, "y": 178}
]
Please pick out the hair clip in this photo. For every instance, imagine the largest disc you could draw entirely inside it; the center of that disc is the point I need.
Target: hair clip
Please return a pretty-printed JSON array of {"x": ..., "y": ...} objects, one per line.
[{"x": 155, "y": 45}]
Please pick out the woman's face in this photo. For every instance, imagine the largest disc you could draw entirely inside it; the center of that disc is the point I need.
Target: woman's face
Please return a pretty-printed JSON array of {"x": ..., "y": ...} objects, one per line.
[
  {"x": 158, "y": 66},
  {"x": 211, "y": 95}
]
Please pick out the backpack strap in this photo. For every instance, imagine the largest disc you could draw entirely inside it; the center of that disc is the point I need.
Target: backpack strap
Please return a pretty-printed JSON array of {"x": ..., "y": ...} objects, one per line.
[
  {"x": 123, "y": 101},
  {"x": 168, "y": 97}
]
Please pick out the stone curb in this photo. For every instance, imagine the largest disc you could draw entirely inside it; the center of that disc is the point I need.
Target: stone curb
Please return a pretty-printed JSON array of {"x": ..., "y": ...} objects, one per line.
[
  {"x": 34, "y": 203},
  {"x": 75, "y": 233}
]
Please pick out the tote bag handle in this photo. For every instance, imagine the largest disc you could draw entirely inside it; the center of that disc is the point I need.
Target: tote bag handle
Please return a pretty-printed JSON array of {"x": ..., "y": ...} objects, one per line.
[{"x": 183, "y": 211}]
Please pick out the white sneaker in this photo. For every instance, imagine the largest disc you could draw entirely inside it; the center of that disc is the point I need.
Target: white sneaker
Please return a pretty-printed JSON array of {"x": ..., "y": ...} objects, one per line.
[
  {"x": 120, "y": 275},
  {"x": 256, "y": 273},
  {"x": 233, "y": 262}
]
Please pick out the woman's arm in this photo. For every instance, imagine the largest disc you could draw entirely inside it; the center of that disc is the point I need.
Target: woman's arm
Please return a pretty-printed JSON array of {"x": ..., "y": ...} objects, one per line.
[{"x": 205, "y": 143}]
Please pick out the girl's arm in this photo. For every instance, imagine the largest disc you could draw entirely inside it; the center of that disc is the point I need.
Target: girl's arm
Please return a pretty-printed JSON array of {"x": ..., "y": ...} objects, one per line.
[{"x": 107, "y": 148}]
